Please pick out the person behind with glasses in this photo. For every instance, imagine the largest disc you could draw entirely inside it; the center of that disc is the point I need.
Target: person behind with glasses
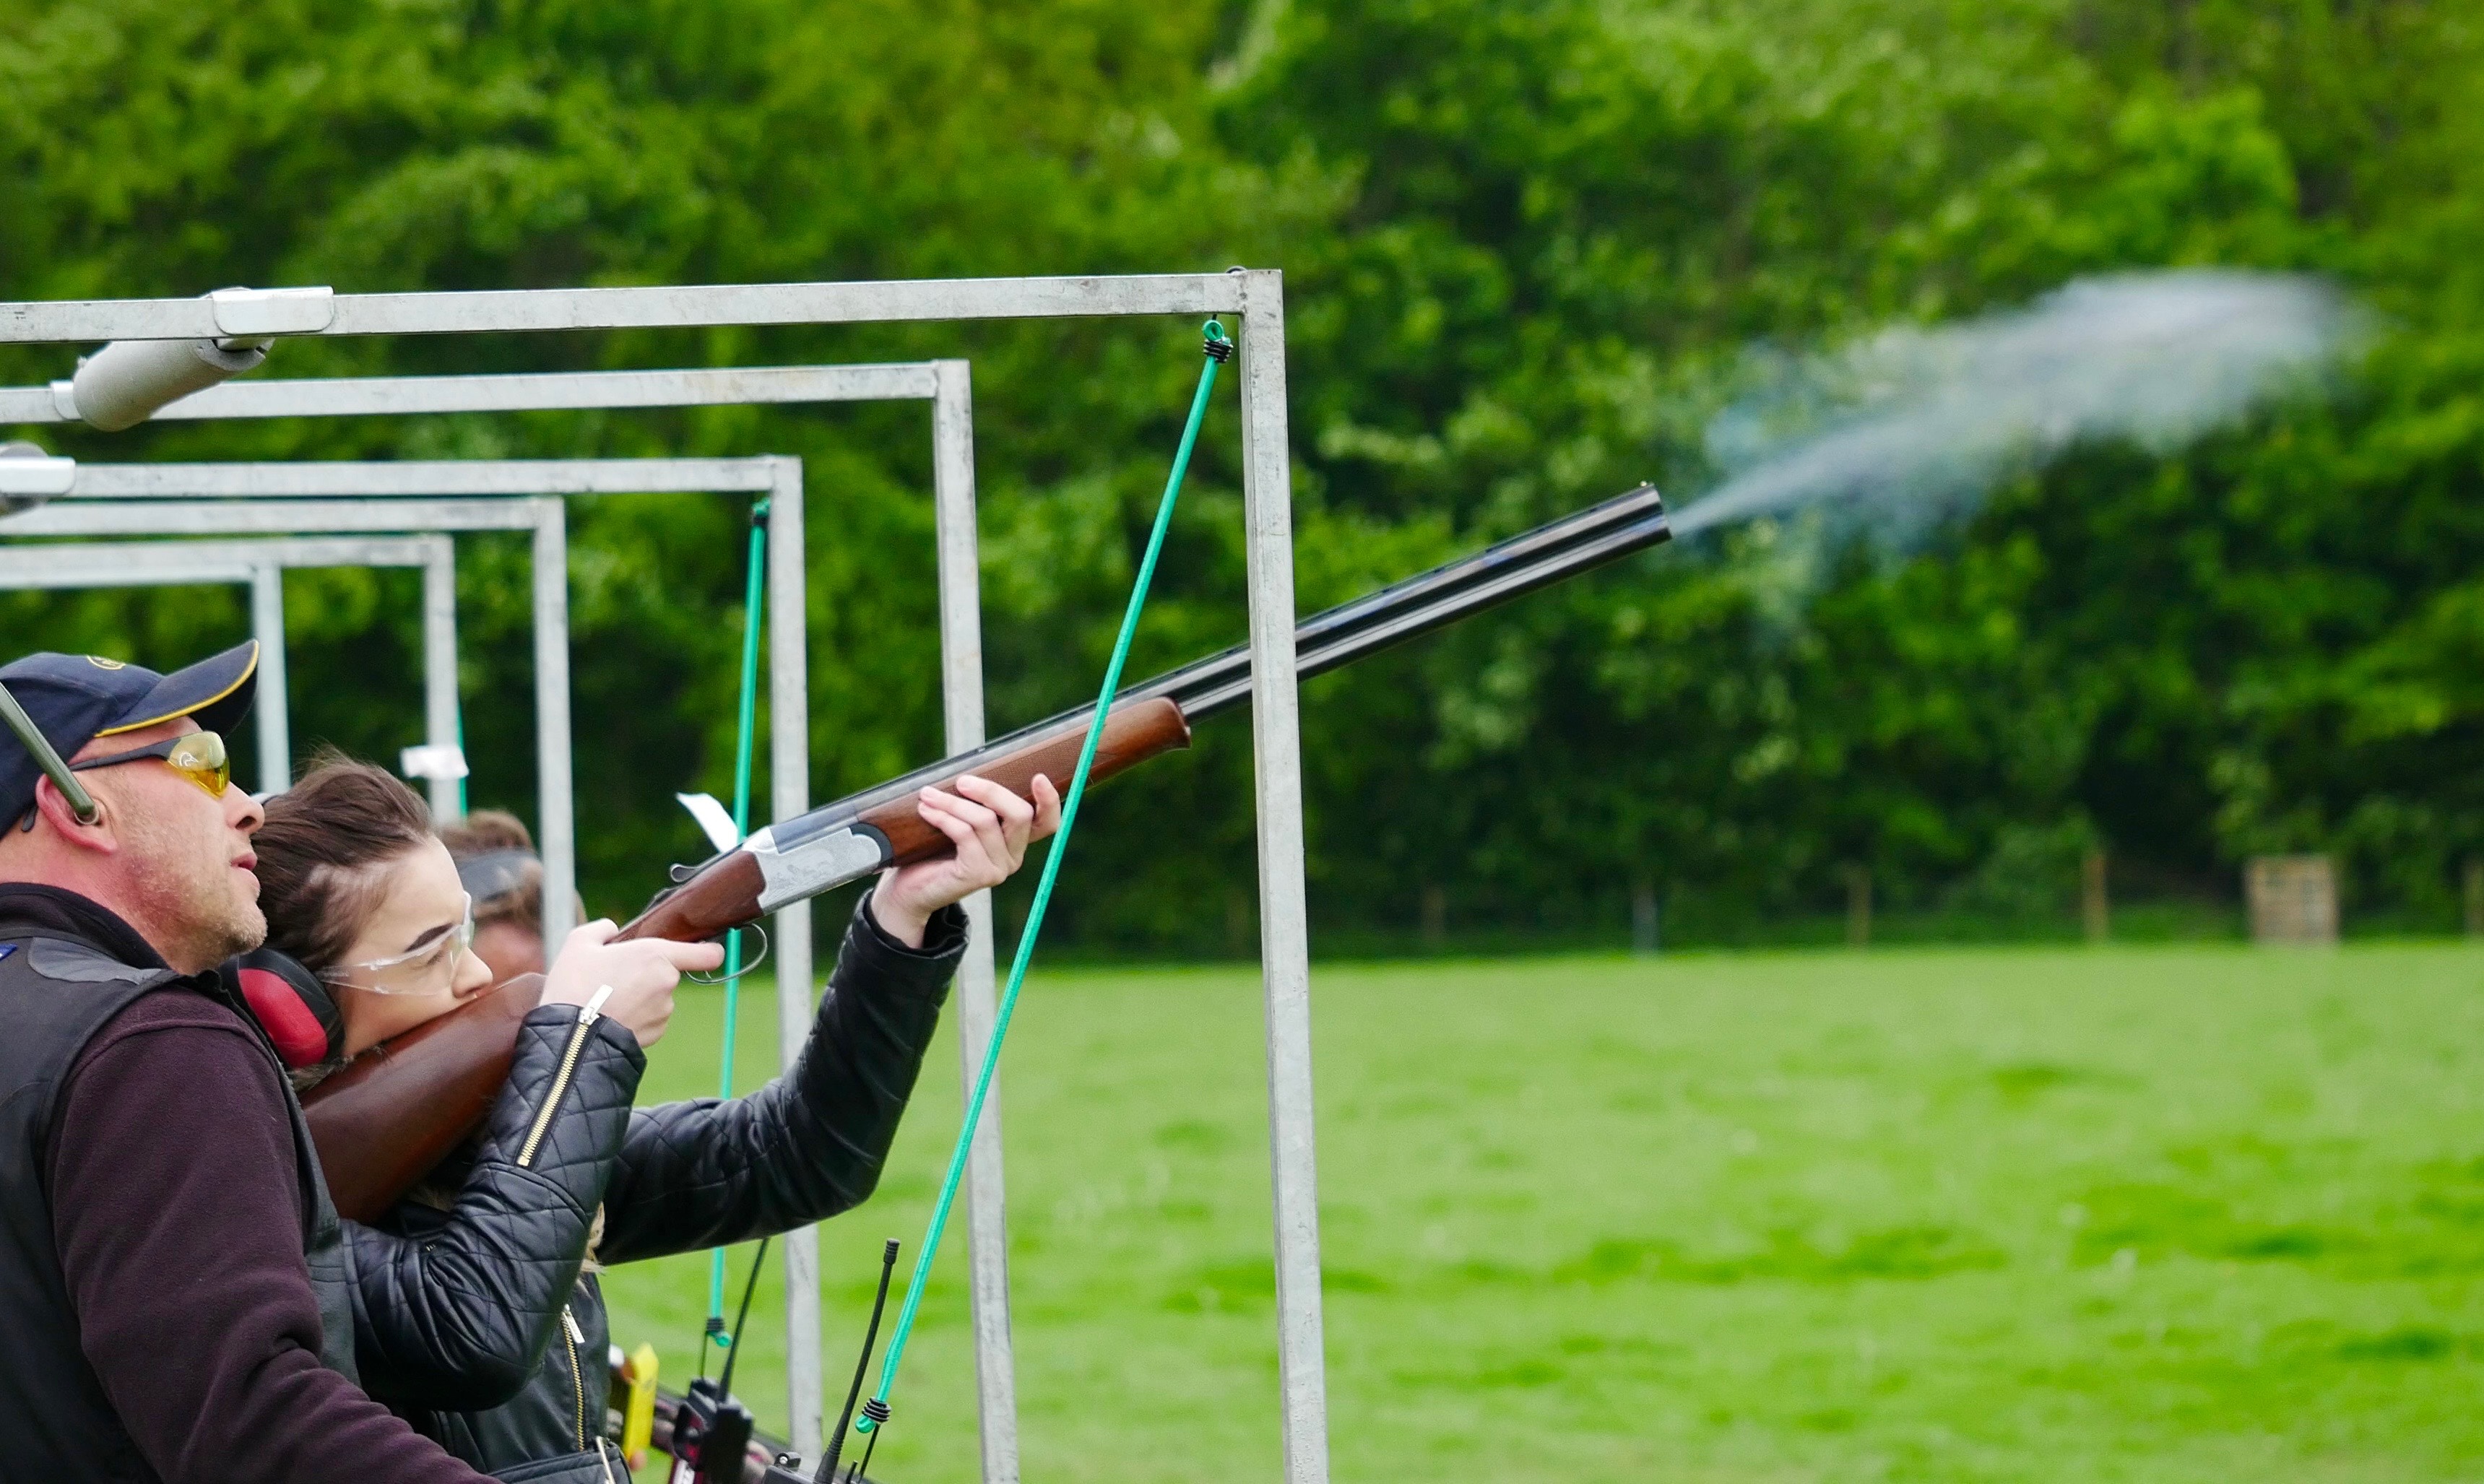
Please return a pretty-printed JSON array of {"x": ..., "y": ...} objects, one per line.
[
  {"x": 497, "y": 864},
  {"x": 478, "y": 1316}
]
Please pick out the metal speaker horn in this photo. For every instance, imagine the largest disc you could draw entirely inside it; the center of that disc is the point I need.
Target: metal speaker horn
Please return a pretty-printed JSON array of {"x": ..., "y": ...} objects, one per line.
[{"x": 129, "y": 381}]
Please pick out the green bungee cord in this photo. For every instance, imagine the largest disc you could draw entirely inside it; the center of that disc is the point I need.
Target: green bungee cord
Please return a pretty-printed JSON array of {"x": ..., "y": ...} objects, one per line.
[
  {"x": 743, "y": 746},
  {"x": 1217, "y": 349}
]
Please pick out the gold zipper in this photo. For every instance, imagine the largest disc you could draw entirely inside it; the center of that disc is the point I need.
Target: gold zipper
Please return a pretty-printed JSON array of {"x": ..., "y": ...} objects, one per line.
[
  {"x": 571, "y": 1336},
  {"x": 587, "y": 1015}
]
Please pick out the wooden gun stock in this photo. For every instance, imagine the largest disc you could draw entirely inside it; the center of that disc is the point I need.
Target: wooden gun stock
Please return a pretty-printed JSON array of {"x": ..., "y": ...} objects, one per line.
[
  {"x": 393, "y": 1114},
  {"x": 722, "y": 897}
]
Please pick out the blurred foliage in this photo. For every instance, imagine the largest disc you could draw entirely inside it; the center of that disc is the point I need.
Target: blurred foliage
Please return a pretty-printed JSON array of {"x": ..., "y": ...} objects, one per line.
[{"x": 1530, "y": 249}]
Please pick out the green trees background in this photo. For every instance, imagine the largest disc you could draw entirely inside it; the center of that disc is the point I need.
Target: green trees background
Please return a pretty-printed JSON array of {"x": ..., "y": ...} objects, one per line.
[{"x": 1530, "y": 249}]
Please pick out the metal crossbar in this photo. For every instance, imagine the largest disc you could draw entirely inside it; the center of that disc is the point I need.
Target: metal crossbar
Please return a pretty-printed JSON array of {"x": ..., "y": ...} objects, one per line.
[{"x": 260, "y": 565}]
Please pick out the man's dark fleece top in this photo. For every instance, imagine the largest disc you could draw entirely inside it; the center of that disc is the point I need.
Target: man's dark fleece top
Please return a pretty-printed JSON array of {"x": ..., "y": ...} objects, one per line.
[{"x": 177, "y": 1212}]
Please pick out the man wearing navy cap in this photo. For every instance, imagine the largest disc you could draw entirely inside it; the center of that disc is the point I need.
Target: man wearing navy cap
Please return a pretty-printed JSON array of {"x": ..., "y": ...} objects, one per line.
[{"x": 170, "y": 1282}]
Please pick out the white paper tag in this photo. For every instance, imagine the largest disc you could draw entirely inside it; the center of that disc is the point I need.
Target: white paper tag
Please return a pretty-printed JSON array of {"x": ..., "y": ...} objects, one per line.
[
  {"x": 432, "y": 760},
  {"x": 712, "y": 819}
]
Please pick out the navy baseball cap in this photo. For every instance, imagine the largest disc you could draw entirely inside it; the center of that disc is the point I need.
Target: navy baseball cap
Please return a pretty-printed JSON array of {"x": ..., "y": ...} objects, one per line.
[{"x": 73, "y": 699}]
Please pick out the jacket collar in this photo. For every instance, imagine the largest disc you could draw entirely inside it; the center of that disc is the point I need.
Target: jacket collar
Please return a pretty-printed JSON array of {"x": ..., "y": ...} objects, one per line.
[{"x": 29, "y": 904}]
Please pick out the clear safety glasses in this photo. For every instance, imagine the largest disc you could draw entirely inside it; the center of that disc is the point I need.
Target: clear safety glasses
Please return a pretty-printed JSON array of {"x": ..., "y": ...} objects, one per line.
[{"x": 431, "y": 969}]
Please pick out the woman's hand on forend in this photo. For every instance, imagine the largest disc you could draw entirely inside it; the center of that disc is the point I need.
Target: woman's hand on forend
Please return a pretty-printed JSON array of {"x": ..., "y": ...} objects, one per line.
[{"x": 990, "y": 829}]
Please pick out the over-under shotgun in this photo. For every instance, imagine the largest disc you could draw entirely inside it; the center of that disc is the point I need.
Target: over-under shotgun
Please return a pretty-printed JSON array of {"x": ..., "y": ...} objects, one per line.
[{"x": 383, "y": 1122}]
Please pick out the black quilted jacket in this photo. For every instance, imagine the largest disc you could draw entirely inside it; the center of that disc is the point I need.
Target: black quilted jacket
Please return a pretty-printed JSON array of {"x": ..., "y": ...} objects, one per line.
[{"x": 477, "y": 1323}]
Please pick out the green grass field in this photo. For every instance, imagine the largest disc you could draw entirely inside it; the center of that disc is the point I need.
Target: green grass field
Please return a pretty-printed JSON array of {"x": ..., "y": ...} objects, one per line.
[{"x": 2184, "y": 1213}]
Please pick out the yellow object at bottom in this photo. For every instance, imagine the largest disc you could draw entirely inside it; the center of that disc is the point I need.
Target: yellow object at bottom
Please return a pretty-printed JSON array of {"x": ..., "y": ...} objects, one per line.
[{"x": 639, "y": 1418}]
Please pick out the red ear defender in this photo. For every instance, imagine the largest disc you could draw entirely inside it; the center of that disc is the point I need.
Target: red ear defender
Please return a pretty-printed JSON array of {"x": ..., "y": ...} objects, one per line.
[{"x": 293, "y": 1008}]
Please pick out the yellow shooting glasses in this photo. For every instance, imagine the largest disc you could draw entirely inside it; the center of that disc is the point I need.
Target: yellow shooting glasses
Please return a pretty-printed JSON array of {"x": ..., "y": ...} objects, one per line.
[{"x": 199, "y": 756}]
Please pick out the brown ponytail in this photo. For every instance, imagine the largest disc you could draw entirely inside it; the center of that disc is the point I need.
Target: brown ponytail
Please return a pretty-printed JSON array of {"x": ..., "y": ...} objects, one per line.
[{"x": 318, "y": 851}]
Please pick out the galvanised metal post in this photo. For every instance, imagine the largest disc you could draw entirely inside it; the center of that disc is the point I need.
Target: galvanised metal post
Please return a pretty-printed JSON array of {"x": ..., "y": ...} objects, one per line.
[
  {"x": 557, "y": 811},
  {"x": 789, "y": 741},
  {"x": 962, "y": 706},
  {"x": 1285, "y": 936},
  {"x": 675, "y": 306},
  {"x": 401, "y": 396},
  {"x": 275, "y": 731},
  {"x": 440, "y": 712}
]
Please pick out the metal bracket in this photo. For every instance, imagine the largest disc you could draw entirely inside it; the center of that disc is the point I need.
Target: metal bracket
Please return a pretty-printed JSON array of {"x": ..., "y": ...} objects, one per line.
[
  {"x": 35, "y": 477},
  {"x": 243, "y": 312}
]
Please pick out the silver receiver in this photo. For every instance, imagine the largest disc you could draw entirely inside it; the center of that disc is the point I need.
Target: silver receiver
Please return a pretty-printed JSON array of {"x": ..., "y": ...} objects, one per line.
[{"x": 821, "y": 863}]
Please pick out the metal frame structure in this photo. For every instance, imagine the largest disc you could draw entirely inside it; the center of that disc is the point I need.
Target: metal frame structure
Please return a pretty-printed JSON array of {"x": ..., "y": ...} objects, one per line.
[
  {"x": 948, "y": 386},
  {"x": 282, "y": 491},
  {"x": 261, "y": 566},
  {"x": 1256, "y": 296}
]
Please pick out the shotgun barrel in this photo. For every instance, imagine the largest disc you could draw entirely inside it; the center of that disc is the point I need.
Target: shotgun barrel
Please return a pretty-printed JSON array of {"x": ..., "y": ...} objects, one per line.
[
  {"x": 1207, "y": 693},
  {"x": 1601, "y": 533}
]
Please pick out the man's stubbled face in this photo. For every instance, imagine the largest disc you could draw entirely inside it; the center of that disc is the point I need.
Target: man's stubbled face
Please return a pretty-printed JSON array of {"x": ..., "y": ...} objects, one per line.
[{"x": 185, "y": 859}]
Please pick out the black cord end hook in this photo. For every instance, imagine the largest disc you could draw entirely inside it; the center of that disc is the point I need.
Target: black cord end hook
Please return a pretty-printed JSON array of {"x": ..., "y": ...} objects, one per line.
[{"x": 875, "y": 1411}]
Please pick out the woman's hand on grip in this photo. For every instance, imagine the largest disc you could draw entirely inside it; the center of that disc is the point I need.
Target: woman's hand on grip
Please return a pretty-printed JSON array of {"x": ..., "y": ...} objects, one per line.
[
  {"x": 641, "y": 973},
  {"x": 989, "y": 829}
]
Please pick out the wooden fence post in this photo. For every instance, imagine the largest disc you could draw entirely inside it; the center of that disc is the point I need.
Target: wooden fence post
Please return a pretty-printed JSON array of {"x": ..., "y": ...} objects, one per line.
[
  {"x": 1643, "y": 918},
  {"x": 2293, "y": 899},
  {"x": 2095, "y": 908}
]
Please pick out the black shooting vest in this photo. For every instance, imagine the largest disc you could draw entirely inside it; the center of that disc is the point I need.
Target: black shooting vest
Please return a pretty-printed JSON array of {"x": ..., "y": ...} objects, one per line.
[{"x": 57, "y": 989}]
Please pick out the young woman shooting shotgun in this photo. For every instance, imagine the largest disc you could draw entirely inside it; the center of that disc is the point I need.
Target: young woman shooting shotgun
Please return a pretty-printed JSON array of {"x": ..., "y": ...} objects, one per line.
[
  {"x": 476, "y": 1313},
  {"x": 383, "y": 1122}
]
